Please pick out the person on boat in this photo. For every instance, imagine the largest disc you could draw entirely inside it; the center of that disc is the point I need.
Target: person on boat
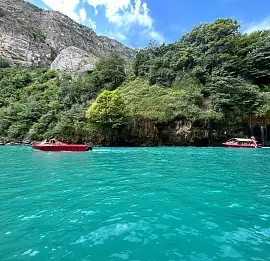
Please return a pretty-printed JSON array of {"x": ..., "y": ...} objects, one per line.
[
  {"x": 254, "y": 142},
  {"x": 53, "y": 141},
  {"x": 46, "y": 141}
]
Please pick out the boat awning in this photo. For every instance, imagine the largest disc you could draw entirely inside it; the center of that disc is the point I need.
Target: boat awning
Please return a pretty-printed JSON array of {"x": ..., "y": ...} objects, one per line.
[{"x": 239, "y": 139}]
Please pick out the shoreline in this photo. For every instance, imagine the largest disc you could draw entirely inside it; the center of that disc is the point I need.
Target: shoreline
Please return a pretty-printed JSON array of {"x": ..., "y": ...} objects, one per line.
[
  {"x": 18, "y": 144},
  {"x": 22, "y": 144},
  {"x": 15, "y": 143}
]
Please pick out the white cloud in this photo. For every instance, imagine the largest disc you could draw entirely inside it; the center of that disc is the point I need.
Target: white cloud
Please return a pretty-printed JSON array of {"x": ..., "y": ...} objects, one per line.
[
  {"x": 66, "y": 7},
  {"x": 83, "y": 15},
  {"x": 156, "y": 36},
  {"x": 137, "y": 14},
  {"x": 92, "y": 24},
  {"x": 126, "y": 13},
  {"x": 120, "y": 36},
  {"x": 256, "y": 26},
  {"x": 111, "y": 6}
]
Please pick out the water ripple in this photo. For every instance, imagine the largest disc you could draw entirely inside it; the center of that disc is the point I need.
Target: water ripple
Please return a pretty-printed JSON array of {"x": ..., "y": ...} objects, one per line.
[{"x": 135, "y": 204}]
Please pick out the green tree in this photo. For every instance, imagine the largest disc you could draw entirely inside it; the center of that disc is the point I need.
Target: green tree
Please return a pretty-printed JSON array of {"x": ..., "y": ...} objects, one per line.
[
  {"x": 110, "y": 72},
  {"x": 233, "y": 97},
  {"x": 257, "y": 61},
  {"x": 108, "y": 109}
]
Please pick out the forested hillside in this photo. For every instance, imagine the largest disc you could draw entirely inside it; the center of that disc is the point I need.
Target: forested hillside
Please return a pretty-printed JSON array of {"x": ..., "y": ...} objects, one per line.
[{"x": 202, "y": 87}]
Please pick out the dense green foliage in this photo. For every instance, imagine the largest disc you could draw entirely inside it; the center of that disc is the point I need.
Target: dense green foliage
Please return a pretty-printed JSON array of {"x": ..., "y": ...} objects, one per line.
[
  {"x": 233, "y": 67},
  {"x": 40, "y": 103},
  {"x": 206, "y": 50},
  {"x": 214, "y": 73},
  {"x": 165, "y": 104}
]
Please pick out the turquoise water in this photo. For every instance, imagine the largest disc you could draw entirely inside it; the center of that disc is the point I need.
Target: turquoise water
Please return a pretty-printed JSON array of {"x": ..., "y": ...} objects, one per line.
[{"x": 135, "y": 204}]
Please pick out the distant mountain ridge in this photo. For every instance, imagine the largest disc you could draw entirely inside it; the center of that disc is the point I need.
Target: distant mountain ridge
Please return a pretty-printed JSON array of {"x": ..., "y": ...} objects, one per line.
[{"x": 31, "y": 36}]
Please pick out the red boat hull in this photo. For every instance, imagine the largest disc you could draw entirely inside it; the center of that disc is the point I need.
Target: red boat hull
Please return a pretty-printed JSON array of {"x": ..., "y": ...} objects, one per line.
[
  {"x": 65, "y": 147},
  {"x": 252, "y": 146}
]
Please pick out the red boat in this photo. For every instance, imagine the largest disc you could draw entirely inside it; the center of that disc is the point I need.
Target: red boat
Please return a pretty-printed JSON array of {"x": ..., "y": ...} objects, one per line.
[
  {"x": 241, "y": 143},
  {"x": 54, "y": 145}
]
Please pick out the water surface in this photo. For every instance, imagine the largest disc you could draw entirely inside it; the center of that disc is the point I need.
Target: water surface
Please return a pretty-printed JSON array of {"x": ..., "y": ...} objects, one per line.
[{"x": 135, "y": 204}]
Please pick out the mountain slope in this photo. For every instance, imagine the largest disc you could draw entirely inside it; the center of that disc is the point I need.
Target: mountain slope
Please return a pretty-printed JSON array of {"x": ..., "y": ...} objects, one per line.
[{"x": 31, "y": 36}]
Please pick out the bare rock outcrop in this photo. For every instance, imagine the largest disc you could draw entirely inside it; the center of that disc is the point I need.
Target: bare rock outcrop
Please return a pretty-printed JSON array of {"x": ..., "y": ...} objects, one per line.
[
  {"x": 74, "y": 59},
  {"x": 31, "y": 36}
]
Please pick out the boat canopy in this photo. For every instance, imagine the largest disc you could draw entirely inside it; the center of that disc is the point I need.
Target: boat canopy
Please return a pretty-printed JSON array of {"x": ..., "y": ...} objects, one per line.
[{"x": 242, "y": 140}]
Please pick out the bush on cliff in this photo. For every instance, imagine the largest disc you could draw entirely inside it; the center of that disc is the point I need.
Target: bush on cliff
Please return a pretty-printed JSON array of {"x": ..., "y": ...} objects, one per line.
[{"x": 108, "y": 109}]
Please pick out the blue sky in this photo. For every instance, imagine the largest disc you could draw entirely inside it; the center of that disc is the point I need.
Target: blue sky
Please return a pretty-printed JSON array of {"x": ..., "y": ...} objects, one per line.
[{"x": 136, "y": 22}]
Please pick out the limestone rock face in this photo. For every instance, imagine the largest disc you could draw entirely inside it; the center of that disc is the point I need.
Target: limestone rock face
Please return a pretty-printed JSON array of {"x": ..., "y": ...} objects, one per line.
[
  {"x": 74, "y": 59},
  {"x": 31, "y": 36}
]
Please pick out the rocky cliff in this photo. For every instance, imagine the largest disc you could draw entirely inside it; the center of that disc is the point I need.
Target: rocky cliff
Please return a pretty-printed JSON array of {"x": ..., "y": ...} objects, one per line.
[
  {"x": 31, "y": 36},
  {"x": 141, "y": 132}
]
